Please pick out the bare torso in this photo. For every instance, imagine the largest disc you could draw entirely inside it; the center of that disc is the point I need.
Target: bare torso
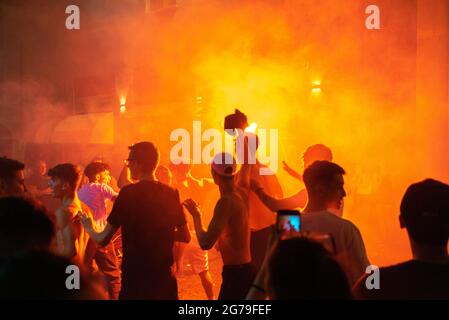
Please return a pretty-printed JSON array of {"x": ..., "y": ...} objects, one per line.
[{"x": 234, "y": 242}]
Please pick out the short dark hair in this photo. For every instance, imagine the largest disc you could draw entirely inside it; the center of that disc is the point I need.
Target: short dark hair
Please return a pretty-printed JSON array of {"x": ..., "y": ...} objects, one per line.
[
  {"x": 146, "y": 154},
  {"x": 321, "y": 173},
  {"x": 425, "y": 212},
  {"x": 9, "y": 167},
  {"x": 94, "y": 168},
  {"x": 25, "y": 225},
  {"x": 300, "y": 268},
  {"x": 67, "y": 172}
]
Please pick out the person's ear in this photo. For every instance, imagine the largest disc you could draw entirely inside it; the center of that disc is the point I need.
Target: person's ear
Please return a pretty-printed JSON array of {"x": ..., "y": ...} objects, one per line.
[
  {"x": 64, "y": 186},
  {"x": 401, "y": 222},
  {"x": 97, "y": 177}
]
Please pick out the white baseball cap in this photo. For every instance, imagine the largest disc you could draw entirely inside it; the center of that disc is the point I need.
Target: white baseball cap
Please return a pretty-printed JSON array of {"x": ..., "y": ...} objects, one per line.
[{"x": 224, "y": 164}]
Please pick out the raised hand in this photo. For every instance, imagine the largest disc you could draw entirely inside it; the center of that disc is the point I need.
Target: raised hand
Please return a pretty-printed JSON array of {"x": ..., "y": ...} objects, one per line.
[
  {"x": 86, "y": 220},
  {"x": 192, "y": 207}
]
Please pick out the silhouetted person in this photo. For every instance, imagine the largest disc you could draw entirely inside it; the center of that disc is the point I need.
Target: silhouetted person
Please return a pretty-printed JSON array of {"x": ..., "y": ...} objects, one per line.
[
  {"x": 41, "y": 275},
  {"x": 12, "y": 178},
  {"x": 72, "y": 239},
  {"x": 299, "y": 268},
  {"x": 190, "y": 187},
  {"x": 37, "y": 185},
  {"x": 425, "y": 216},
  {"x": 229, "y": 226},
  {"x": 151, "y": 217},
  {"x": 25, "y": 225},
  {"x": 261, "y": 218},
  {"x": 325, "y": 189},
  {"x": 313, "y": 153},
  {"x": 316, "y": 152},
  {"x": 38, "y": 180},
  {"x": 95, "y": 194}
]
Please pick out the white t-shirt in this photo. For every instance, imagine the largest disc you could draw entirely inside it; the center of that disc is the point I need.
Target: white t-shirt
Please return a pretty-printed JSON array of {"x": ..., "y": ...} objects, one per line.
[
  {"x": 94, "y": 195},
  {"x": 349, "y": 247}
]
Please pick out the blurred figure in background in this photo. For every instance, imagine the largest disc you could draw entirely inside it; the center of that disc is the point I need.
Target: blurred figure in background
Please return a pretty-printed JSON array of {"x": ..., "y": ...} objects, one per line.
[
  {"x": 95, "y": 194},
  {"x": 37, "y": 183},
  {"x": 12, "y": 178},
  {"x": 38, "y": 180},
  {"x": 313, "y": 153},
  {"x": 191, "y": 188}
]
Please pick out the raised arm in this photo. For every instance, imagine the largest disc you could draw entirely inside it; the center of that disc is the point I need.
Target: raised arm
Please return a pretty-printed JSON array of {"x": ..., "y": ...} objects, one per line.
[
  {"x": 125, "y": 177},
  {"x": 103, "y": 237},
  {"x": 222, "y": 212},
  {"x": 297, "y": 200}
]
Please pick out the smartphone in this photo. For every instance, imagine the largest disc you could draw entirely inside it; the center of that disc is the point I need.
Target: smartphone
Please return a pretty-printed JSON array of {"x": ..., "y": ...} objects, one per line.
[{"x": 288, "y": 223}]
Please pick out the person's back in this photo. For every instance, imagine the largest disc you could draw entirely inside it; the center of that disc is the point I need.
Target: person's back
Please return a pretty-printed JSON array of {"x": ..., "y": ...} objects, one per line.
[
  {"x": 67, "y": 216},
  {"x": 236, "y": 234},
  {"x": 148, "y": 213},
  {"x": 349, "y": 248},
  {"x": 94, "y": 195}
]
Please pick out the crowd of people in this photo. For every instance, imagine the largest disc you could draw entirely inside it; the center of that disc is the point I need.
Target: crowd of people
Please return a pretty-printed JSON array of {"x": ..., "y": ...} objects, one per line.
[{"x": 159, "y": 215}]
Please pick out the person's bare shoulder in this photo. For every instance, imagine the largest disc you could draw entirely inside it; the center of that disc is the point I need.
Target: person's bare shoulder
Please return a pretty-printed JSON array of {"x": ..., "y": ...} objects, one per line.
[{"x": 63, "y": 216}]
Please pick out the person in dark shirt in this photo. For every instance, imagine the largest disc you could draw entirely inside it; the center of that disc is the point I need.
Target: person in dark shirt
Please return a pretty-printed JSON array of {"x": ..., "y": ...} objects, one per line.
[
  {"x": 425, "y": 215},
  {"x": 151, "y": 217}
]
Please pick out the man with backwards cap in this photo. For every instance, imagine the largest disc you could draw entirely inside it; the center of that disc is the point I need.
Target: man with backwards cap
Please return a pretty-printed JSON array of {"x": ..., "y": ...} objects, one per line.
[{"x": 229, "y": 226}]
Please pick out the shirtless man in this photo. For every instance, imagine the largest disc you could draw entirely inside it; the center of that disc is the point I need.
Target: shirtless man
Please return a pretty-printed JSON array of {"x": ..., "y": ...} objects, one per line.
[
  {"x": 229, "y": 226},
  {"x": 71, "y": 238}
]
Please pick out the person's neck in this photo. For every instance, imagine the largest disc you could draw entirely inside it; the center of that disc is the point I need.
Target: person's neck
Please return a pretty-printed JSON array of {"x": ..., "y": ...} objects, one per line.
[
  {"x": 314, "y": 206},
  {"x": 70, "y": 198},
  {"x": 226, "y": 187},
  {"x": 147, "y": 177},
  {"x": 428, "y": 253}
]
